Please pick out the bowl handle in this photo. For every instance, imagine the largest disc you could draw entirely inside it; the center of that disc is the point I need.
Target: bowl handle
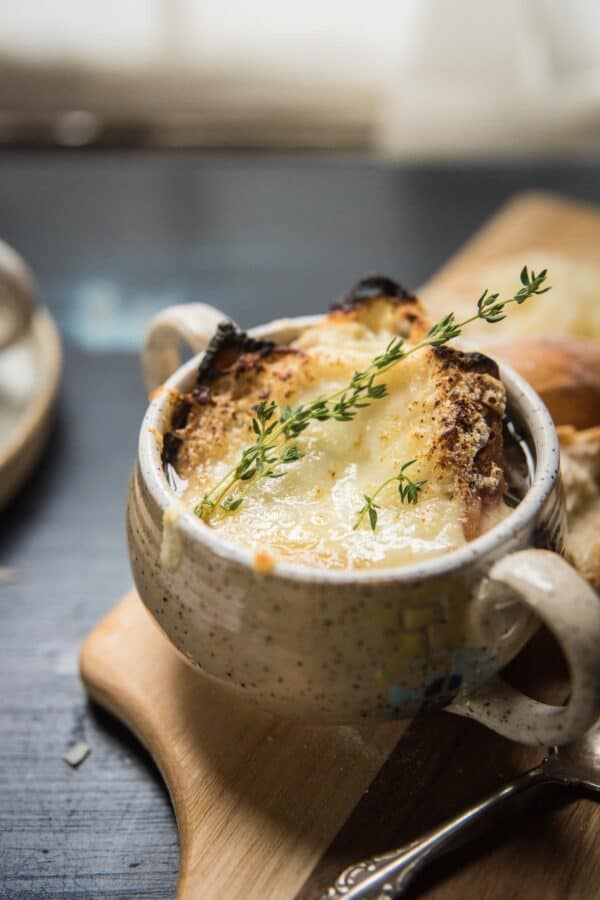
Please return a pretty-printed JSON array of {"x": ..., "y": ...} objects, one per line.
[
  {"x": 193, "y": 324},
  {"x": 566, "y": 603},
  {"x": 17, "y": 296}
]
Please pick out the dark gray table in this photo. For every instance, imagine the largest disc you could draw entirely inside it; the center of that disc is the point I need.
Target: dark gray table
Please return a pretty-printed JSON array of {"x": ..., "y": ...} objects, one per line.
[{"x": 111, "y": 239}]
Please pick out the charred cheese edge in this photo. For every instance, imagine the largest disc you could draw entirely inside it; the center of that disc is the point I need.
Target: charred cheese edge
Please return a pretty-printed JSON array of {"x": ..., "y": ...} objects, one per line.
[{"x": 444, "y": 408}]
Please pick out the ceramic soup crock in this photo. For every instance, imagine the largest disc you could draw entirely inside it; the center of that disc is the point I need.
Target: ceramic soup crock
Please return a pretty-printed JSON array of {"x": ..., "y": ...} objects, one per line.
[{"x": 340, "y": 646}]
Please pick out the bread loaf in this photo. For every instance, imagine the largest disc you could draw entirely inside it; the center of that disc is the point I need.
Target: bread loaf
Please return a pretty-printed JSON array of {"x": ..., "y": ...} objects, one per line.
[
  {"x": 580, "y": 469},
  {"x": 564, "y": 371}
]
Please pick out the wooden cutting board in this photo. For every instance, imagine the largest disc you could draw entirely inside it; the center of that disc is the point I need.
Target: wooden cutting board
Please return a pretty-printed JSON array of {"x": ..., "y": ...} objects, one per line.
[{"x": 273, "y": 809}]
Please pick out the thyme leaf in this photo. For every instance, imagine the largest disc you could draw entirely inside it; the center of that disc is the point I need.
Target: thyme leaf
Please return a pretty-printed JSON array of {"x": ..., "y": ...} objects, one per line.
[{"x": 408, "y": 490}]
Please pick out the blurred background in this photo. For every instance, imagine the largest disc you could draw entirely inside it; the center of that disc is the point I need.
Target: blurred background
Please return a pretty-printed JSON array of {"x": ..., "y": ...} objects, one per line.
[
  {"x": 408, "y": 79},
  {"x": 260, "y": 156}
]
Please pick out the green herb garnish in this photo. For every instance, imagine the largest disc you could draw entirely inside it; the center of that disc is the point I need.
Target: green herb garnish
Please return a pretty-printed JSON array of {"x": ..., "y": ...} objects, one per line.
[
  {"x": 276, "y": 428},
  {"x": 409, "y": 493}
]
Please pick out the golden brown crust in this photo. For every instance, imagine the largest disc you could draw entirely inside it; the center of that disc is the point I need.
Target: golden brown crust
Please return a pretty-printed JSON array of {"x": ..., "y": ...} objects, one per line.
[
  {"x": 237, "y": 371},
  {"x": 564, "y": 371},
  {"x": 405, "y": 319},
  {"x": 229, "y": 402},
  {"x": 580, "y": 469},
  {"x": 465, "y": 399},
  {"x": 232, "y": 368},
  {"x": 379, "y": 302}
]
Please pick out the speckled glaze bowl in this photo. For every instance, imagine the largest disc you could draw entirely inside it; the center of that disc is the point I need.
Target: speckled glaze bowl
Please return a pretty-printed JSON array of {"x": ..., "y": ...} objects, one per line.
[{"x": 340, "y": 646}]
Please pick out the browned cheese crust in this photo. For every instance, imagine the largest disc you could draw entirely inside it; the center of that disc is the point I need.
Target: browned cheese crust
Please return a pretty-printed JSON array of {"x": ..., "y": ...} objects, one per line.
[{"x": 466, "y": 396}]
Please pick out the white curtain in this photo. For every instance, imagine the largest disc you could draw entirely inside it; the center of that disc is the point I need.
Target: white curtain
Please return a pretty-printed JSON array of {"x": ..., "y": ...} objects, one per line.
[
  {"x": 493, "y": 78},
  {"x": 413, "y": 78}
]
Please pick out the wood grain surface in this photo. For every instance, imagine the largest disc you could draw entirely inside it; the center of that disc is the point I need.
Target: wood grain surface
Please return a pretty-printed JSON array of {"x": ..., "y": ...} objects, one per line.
[
  {"x": 271, "y": 809},
  {"x": 257, "y": 799}
]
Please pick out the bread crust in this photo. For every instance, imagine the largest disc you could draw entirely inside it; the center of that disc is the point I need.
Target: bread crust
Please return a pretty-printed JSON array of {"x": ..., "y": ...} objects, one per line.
[
  {"x": 580, "y": 468},
  {"x": 461, "y": 414},
  {"x": 564, "y": 371}
]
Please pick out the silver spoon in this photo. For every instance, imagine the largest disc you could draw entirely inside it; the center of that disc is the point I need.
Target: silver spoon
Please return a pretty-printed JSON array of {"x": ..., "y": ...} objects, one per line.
[{"x": 384, "y": 877}]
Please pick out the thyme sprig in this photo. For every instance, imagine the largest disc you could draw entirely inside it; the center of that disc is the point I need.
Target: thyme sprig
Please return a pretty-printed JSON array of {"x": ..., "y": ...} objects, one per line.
[
  {"x": 409, "y": 493},
  {"x": 276, "y": 428}
]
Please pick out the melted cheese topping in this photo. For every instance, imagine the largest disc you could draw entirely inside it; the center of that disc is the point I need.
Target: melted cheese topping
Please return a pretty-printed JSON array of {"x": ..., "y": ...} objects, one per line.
[{"x": 307, "y": 516}]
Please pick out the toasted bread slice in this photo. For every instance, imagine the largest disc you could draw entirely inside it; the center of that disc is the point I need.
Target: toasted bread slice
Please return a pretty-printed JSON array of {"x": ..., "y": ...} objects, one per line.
[{"x": 444, "y": 409}]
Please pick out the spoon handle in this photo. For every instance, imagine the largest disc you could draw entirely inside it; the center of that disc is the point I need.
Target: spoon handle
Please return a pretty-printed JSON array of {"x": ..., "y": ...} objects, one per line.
[{"x": 388, "y": 875}]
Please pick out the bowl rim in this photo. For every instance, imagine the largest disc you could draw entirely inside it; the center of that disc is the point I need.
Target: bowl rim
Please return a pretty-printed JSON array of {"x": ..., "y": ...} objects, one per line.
[
  {"x": 527, "y": 403},
  {"x": 21, "y": 451}
]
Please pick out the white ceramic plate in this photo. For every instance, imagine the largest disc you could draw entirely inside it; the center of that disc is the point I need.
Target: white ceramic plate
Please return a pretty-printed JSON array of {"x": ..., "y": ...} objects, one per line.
[{"x": 29, "y": 377}]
